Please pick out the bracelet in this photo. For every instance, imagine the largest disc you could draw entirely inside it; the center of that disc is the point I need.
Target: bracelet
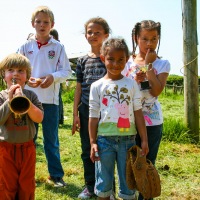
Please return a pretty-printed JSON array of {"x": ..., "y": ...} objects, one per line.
[{"x": 147, "y": 66}]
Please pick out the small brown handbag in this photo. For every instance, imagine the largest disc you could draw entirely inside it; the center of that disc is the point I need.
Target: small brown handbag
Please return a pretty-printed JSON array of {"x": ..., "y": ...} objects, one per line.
[{"x": 141, "y": 174}]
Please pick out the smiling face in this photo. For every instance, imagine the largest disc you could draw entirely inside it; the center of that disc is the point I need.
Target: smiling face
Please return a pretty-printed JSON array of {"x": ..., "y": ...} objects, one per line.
[
  {"x": 115, "y": 61},
  {"x": 19, "y": 74},
  {"x": 95, "y": 34},
  {"x": 147, "y": 39},
  {"x": 42, "y": 25}
]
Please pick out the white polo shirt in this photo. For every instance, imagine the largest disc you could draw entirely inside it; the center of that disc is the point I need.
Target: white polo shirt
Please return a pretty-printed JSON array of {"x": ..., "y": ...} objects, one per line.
[{"x": 49, "y": 59}]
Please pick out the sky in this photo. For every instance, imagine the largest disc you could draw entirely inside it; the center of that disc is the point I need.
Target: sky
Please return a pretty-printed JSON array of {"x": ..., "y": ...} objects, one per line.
[{"x": 121, "y": 15}]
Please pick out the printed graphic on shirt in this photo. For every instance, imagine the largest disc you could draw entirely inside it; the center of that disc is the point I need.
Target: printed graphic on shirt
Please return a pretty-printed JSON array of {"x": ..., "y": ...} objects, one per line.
[
  {"x": 118, "y": 99},
  {"x": 17, "y": 124},
  {"x": 132, "y": 71},
  {"x": 150, "y": 109},
  {"x": 93, "y": 73},
  {"x": 51, "y": 54},
  {"x": 30, "y": 52}
]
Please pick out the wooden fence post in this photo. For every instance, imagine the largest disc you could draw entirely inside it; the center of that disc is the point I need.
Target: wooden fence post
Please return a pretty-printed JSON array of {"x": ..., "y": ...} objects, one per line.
[{"x": 191, "y": 96}]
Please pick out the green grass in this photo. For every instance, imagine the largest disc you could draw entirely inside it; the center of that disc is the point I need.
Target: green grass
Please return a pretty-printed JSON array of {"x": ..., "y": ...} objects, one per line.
[
  {"x": 178, "y": 161},
  {"x": 70, "y": 150},
  {"x": 175, "y": 128},
  {"x": 178, "y": 166},
  {"x": 172, "y": 105}
]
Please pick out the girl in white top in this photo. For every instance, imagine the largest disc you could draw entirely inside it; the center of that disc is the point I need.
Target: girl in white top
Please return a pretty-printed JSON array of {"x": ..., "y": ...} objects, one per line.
[
  {"x": 114, "y": 114},
  {"x": 146, "y": 65}
]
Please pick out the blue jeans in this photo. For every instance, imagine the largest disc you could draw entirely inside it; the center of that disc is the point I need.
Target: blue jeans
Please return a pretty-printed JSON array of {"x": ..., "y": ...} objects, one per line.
[
  {"x": 112, "y": 149},
  {"x": 88, "y": 165},
  {"x": 51, "y": 140},
  {"x": 154, "y": 134}
]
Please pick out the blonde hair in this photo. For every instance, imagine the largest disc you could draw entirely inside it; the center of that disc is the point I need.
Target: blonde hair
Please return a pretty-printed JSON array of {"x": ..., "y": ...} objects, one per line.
[
  {"x": 15, "y": 60},
  {"x": 43, "y": 9}
]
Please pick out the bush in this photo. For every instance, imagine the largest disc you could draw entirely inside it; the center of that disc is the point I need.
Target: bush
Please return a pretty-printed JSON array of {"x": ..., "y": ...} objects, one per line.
[
  {"x": 177, "y": 80},
  {"x": 68, "y": 92}
]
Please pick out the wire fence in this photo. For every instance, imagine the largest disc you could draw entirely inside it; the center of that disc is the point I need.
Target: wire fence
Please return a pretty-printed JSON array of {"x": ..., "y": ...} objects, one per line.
[{"x": 176, "y": 89}]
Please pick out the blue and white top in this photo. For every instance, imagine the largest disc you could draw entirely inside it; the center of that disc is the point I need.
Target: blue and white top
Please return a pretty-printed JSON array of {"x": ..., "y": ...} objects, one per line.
[{"x": 150, "y": 105}]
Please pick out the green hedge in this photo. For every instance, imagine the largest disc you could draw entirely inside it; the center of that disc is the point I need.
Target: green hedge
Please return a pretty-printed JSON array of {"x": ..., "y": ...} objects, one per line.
[{"x": 177, "y": 80}]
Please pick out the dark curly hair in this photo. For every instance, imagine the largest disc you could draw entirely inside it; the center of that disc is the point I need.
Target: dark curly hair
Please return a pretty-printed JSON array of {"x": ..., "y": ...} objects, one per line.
[
  {"x": 116, "y": 43},
  {"x": 100, "y": 21}
]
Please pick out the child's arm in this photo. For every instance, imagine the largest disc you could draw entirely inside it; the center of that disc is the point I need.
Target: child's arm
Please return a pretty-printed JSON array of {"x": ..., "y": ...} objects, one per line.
[
  {"x": 77, "y": 98},
  {"x": 63, "y": 67},
  {"x": 141, "y": 127},
  {"x": 157, "y": 82},
  {"x": 94, "y": 114},
  {"x": 93, "y": 124},
  {"x": 35, "y": 113},
  {"x": 4, "y": 110}
]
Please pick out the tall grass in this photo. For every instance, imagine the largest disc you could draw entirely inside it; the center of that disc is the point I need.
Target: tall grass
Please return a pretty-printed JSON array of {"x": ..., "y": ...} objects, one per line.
[
  {"x": 176, "y": 131},
  {"x": 175, "y": 128}
]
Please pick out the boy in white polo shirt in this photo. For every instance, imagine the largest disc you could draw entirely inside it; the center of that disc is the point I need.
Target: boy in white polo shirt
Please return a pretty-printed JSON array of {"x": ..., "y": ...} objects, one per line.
[{"x": 50, "y": 67}]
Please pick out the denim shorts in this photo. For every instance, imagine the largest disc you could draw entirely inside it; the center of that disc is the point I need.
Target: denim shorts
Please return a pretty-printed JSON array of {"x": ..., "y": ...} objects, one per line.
[{"x": 112, "y": 149}]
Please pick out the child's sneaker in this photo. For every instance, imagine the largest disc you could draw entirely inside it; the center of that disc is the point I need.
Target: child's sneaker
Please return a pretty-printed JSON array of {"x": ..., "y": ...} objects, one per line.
[
  {"x": 85, "y": 194},
  {"x": 57, "y": 181}
]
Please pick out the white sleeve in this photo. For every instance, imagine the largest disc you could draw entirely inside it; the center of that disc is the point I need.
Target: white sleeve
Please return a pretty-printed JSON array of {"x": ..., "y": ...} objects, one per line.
[
  {"x": 126, "y": 69},
  {"x": 21, "y": 50},
  {"x": 167, "y": 67},
  {"x": 63, "y": 67},
  {"x": 94, "y": 102},
  {"x": 163, "y": 66},
  {"x": 137, "y": 103}
]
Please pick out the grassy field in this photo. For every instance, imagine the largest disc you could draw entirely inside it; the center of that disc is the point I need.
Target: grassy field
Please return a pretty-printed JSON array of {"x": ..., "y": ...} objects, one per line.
[{"x": 178, "y": 161}]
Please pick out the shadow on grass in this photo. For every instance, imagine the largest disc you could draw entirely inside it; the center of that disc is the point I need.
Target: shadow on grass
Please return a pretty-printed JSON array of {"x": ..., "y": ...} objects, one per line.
[
  {"x": 71, "y": 190},
  {"x": 39, "y": 147},
  {"x": 66, "y": 126}
]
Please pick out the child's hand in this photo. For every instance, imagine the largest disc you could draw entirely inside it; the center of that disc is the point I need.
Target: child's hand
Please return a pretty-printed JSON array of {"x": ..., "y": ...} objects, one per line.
[
  {"x": 145, "y": 148},
  {"x": 34, "y": 82},
  {"x": 94, "y": 156},
  {"x": 150, "y": 57},
  {"x": 13, "y": 91},
  {"x": 140, "y": 76},
  {"x": 76, "y": 125},
  {"x": 48, "y": 80}
]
